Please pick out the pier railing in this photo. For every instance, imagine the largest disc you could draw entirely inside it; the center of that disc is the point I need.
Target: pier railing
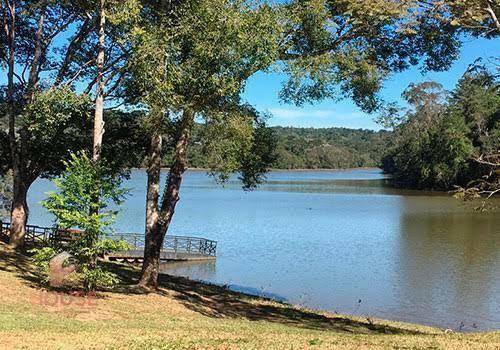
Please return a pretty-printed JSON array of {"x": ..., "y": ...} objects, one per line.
[
  {"x": 176, "y": 244},
  {"x": 34, "y": 234}
]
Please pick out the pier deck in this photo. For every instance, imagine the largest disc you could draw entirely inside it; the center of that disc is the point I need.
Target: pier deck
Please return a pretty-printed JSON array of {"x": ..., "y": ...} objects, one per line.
[{"x": 175, "y": 248}]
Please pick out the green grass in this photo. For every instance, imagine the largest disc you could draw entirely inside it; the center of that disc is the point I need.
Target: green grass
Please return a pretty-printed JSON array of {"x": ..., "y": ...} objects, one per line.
[{"x": 184, "y": 314}]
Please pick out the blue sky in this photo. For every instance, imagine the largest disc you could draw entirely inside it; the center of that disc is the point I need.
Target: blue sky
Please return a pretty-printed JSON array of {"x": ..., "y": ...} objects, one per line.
[{"x": 262, "y": 92}]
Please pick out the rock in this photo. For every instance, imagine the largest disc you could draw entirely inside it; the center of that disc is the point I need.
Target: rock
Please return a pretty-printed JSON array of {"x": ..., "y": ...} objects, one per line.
[{"x": 57, "y": 269}]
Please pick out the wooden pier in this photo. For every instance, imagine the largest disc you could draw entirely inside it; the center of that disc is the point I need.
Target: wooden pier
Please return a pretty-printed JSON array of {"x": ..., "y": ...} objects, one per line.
[{"x": 175, "y": 248}]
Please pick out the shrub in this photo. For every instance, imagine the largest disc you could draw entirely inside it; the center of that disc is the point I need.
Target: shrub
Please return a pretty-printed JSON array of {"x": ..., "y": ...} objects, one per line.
[{"x": 85, "y": 194}]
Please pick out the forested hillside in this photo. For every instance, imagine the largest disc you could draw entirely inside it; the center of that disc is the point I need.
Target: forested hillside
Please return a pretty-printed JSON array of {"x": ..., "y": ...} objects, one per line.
[{"x": 315, "y": 148}]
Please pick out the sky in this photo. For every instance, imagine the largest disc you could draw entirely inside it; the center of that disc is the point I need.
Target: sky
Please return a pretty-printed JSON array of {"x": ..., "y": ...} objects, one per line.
[{"x": 262, "y": 92}]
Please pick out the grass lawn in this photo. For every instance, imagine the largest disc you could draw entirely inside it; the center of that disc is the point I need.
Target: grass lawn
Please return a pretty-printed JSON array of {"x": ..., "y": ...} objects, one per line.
[{"x": 189, "y": 315}]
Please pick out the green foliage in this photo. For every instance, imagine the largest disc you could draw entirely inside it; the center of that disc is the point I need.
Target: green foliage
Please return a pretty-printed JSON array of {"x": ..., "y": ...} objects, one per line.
[
  {"x": 54, "y": 122},
  {"x": 328, "y": 148},
  {"x": 239, "y": 142},
  {"x": 79, "y": 186},
  {"x": 260, "y": 156},
  {"x": 304, "y": 148},
  {"x": 125, "y": 143},
  {"x": 437, "y": 158},
  {"x": 112, "y": 245},
  {"x": 51, "y": 126},
  {"x": 442, "y": 142},
  {"x": 41, "y": 258},
  {"x": 197, "y": 57},
  {"x": 477, "y": 17},
  {"x": 199, "y": 53},
  {"x": 346, "y": 48},
  {"x": 85, "y": 193},
  {"x": 95, "y": 277}
]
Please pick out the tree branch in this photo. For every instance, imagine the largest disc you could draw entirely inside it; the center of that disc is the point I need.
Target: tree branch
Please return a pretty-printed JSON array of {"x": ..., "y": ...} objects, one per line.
[
  {"x": 78, "y": 73},
  {"x": 493, "y": 15},
  {"x": 33, "y": 74},
  {"x": 72, "y": 49},
  {"x": 481, "y": 160}
]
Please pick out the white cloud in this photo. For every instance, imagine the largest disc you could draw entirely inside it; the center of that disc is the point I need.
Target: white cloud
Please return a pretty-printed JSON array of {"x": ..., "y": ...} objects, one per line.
[{"x": 292, "y": 113}]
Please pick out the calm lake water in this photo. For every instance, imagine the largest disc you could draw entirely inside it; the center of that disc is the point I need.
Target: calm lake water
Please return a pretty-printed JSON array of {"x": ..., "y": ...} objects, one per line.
[{"x": 337, "y": 240}]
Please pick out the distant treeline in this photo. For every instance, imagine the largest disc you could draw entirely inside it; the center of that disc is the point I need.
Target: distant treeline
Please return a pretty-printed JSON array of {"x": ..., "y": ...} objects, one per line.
[{"x": 314, "y": 148}]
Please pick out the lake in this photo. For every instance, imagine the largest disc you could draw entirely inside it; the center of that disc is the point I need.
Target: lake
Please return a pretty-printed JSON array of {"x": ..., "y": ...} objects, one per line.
[{"x": 342, "y": 241}]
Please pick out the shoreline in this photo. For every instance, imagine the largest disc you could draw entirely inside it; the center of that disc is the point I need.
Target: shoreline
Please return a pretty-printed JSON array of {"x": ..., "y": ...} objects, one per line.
[
  {"x": 284, "y": 170},
  {"x": 227, "y": 288},
  {"x": 187, "y": 314}
]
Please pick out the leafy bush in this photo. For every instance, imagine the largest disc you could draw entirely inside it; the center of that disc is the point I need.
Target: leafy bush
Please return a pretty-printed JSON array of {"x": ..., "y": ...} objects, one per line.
[
  {"x": 95, "y": 277},
  {"x": 85, "y": 193},
  {"x": 41, "y": 258}
]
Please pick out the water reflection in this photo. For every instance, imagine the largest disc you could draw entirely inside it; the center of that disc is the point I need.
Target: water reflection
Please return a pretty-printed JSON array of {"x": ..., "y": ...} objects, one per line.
[
  {"x": 204, "y": 270},
  {"x": 449, "y": 258}
]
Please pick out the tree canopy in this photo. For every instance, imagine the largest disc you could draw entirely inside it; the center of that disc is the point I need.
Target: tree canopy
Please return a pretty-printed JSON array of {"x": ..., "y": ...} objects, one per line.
[{"x": 450, "y": 139}]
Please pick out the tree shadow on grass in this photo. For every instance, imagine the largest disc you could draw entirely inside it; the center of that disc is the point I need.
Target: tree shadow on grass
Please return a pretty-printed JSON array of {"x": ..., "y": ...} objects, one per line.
[
  {"x": 20, "y": 264},
  {"x": 11, "y": 261},
  {"x": 219, "y": 302}
]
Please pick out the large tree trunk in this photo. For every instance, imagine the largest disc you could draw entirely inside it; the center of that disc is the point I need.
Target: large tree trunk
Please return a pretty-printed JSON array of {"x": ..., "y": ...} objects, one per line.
[
  {"x": 153, "y": 240},
  {"x": 19, "y": 213},
  {"x": 99, "y": 100},
  {"x": 157, "y": 223},
  {"x": 22, "y": 182}
]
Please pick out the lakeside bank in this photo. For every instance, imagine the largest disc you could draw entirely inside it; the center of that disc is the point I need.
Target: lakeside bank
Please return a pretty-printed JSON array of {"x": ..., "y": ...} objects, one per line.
[{"x": 184, "y": 314}]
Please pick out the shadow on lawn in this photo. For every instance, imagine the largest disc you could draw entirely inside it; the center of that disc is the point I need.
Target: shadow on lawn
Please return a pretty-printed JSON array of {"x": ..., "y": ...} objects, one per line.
[
  {"x": 216, "y": 301},
  {"x": 219, "y": 302},
  {"x": 18, "y": 263}
]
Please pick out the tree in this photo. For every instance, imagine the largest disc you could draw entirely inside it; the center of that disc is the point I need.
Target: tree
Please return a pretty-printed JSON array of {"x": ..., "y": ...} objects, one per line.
[
  {"x": 38, "y": 59},
  {"x": 425, "y": 135},
  {"x": 452, "y": 142},
  {"x": 431, "y": 147},
  {"x": 191, "y": 61},
  {"x": 74, "y": 206},
  {"x": 50, "y": 124},
  {"x": 476, "y": 100}
]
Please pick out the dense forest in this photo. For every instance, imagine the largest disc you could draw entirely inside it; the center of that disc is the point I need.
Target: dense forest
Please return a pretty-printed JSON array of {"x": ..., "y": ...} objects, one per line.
[
  {"x": 314, "y": 148},
  {"x": 450, "y": 140}
]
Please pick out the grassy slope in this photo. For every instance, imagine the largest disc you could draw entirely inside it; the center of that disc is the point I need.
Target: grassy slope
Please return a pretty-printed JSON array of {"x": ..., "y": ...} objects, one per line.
[{"x": 190, "y": 315}]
